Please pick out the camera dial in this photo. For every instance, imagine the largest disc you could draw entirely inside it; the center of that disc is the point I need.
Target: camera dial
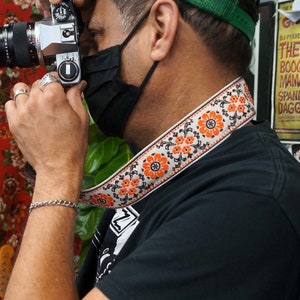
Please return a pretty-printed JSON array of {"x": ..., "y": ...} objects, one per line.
[{"x": 61, "y": 12}]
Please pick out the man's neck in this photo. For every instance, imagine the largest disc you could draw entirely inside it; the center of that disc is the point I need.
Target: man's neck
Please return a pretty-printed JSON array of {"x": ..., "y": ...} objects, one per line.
[{"x": 168, "y": 109}]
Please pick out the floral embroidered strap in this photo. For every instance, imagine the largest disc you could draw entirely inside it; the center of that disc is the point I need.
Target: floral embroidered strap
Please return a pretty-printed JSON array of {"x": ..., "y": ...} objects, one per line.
[{"x": 190, "y": 139}]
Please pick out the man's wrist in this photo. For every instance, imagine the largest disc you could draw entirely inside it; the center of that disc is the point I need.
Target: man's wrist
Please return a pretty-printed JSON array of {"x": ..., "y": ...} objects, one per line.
[{"x": 62, "y": 185}]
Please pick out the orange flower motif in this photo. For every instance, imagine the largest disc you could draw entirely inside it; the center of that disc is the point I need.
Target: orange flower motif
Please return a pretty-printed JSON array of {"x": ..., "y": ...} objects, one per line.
[
  {"x": 122, "y": 191},
  {"x": 105, "y": 200},
  {"x": 190, "y": 140},
  {"x": 241, "y": 108},
  {"x": 135, "y": 182},
  {"x": 176, "y": 150},
  {"x": 234, "y": 98},
  {"x": 231, "y": 107},
  {"x": 179, "y": 140},
  {"x": 242, "y": 99},
  {"x": 211, "y": 124},
  {"x": 155, "y": 166},
  {"x": 132, "y": 191},
  {"x": 186, "y": 150},
  {"x": 125, "y": 182},
  {"x": 129, "y": 187}
]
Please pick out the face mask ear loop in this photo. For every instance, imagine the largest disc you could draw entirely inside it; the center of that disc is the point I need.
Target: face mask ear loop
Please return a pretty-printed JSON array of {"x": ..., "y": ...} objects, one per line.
[
  {"x": 147, "y": 77},
  {"x": 135, "y": 29}
]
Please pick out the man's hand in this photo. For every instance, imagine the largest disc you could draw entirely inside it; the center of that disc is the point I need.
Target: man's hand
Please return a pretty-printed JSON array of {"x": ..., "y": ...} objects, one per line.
[{"x": 50, "y": 126}]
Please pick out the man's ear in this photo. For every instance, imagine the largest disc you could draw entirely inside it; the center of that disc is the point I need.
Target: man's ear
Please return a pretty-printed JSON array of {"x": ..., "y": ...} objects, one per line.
[{"x": 164, "y": 16}]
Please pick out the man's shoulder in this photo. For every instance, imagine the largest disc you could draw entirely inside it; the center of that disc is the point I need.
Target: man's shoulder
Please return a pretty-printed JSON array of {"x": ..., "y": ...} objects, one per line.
[{"x": 251, "y": 164}]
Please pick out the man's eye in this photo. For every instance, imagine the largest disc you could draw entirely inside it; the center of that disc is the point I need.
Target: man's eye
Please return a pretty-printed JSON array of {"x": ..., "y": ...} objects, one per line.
[
  {"x": 92, "y": 34},
  {"x": 95, "y": 33}
]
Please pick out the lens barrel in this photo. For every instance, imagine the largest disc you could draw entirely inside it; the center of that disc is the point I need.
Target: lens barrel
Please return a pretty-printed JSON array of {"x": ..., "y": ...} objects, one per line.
[{"x": 18, "y": 46}]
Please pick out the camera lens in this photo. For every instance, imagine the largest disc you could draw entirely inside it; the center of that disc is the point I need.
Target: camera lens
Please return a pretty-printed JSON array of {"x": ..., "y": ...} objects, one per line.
[{"x": 18, "y": 45}]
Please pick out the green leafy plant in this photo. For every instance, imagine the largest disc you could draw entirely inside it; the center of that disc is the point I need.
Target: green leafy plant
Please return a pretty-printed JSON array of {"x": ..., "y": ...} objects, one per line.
[{"x": 105, "y": 155}]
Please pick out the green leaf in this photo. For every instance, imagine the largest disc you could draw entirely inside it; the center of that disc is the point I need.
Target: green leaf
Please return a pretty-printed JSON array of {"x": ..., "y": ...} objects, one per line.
[
  {"x": 94, "y": 134},
  {"x": 88, "y": 181},
  {"x": 101, "y": 153},
  {"x": 88, "y": 217},
  {"x": 123, "y": 156}
]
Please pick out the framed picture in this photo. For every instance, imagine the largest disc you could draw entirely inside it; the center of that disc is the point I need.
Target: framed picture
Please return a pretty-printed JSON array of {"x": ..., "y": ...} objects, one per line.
[{"x": 285, "y": 114}]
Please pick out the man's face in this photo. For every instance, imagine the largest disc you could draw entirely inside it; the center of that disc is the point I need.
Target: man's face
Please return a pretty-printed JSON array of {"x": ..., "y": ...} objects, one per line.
[{"x": 106, "y": 27}]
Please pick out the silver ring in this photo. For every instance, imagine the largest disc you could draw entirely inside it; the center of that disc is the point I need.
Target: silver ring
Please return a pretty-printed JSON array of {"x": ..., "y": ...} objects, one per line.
[
  {"x": 19, "y": 92},
  {"x": 46, "y": 79}
]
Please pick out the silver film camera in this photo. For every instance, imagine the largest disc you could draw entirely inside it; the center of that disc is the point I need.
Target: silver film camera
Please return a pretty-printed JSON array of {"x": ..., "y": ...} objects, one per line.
[{"x": 51, "y": 42}]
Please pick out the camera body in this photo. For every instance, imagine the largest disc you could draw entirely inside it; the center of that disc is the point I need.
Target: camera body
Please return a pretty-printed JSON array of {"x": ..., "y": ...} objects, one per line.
[{"x": 53, "y": 41}]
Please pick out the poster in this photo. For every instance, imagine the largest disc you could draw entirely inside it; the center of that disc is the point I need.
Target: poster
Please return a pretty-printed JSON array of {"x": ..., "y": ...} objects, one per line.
[{"x": 286, "y": 95}]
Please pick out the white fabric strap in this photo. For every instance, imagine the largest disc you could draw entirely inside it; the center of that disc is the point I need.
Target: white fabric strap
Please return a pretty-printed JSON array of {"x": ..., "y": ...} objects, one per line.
[{"x": 189, "y": 140}]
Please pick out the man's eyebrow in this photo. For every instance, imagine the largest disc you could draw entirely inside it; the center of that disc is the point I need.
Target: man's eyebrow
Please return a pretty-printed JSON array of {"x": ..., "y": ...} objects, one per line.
[{"x": 95, "y": 25}]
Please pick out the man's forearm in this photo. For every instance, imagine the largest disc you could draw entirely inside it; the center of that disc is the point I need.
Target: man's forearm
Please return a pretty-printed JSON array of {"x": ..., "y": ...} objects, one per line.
[{"x": 44, "y": 268}]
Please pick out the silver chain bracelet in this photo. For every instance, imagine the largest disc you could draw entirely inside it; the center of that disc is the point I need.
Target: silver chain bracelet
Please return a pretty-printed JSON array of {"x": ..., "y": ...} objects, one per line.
[{"x": 53, "y": 203}]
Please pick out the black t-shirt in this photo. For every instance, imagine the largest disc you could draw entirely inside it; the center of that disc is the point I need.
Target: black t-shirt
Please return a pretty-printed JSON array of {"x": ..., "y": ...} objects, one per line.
[{"x": 228, "y": 227}]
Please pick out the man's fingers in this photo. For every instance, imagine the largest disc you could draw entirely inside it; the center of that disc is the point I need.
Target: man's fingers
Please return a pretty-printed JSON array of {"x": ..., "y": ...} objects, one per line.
[
  {"x": 44, "y": 7},
  {"x": 74, "y": 96},
  {"x": 21, "y": 92}
]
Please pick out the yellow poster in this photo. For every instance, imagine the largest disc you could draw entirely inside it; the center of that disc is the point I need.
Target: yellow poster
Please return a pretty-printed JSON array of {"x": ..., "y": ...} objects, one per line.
[{"x": 286, "y": 98}]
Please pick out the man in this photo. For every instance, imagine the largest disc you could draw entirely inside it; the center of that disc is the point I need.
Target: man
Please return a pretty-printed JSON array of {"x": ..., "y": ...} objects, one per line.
[{"x": 208, "y": 209}]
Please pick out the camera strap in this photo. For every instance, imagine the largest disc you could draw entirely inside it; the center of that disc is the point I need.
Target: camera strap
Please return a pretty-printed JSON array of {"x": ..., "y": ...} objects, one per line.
[{"x": 178, "y": 148}]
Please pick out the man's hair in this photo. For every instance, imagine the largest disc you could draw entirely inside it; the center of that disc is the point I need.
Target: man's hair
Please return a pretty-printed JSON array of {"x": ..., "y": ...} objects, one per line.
[{"x": 229, "y": 45}]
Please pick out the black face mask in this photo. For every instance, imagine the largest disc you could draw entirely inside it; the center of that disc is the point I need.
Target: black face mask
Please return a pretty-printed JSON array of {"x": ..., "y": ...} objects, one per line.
[{"x": 109, "y": 98}]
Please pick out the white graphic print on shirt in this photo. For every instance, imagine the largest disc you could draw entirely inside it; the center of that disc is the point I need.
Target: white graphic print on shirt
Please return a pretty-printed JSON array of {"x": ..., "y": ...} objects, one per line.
[{"x": 121, "y": 227}]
